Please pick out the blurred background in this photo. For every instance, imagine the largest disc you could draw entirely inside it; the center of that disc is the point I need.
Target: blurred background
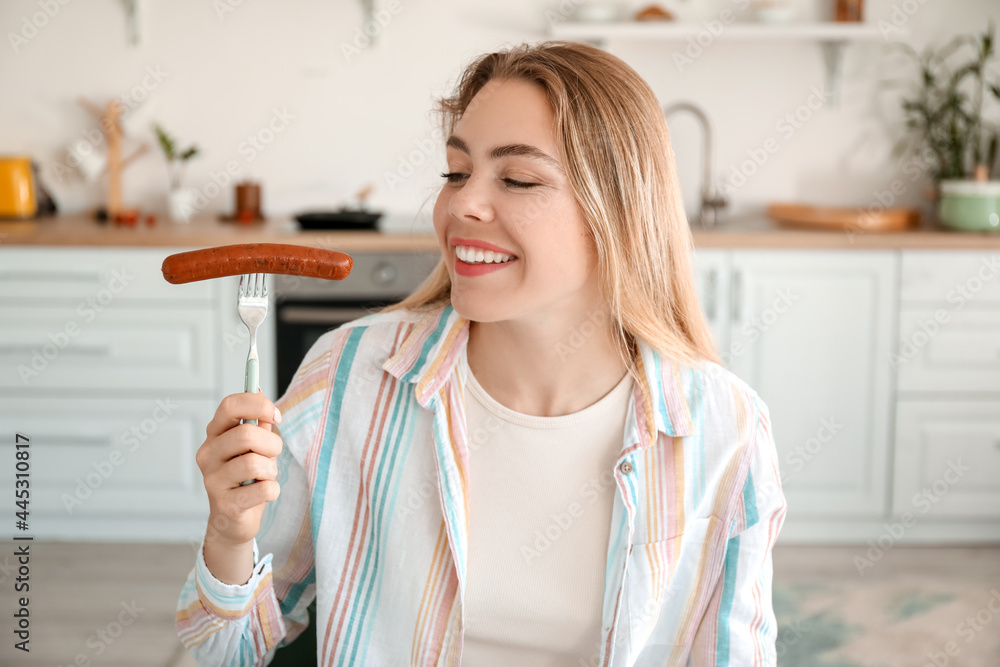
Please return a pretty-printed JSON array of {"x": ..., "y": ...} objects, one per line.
[{"x": 838, "y": 163}]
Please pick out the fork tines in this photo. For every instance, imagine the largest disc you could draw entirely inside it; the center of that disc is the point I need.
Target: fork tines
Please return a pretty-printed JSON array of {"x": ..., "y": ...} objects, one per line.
[{"x": 253, "y": 285}]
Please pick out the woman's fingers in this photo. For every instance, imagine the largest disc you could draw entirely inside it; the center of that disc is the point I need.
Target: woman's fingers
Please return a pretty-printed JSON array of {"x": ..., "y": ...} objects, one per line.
[
  {"x": 246, "y": 466},
  {"x": 243, "y": 406},
  {"x": 240, "y": 440},
  {"x": 242, "y": 507}
]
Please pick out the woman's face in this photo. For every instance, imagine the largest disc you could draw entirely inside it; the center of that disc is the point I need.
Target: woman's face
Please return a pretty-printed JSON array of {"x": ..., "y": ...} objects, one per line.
[{"x": 506, "y": 190}]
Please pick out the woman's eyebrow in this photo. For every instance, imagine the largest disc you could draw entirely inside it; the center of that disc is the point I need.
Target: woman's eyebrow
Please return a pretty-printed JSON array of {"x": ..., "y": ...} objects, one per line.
[{"x": 525, "y": 150}]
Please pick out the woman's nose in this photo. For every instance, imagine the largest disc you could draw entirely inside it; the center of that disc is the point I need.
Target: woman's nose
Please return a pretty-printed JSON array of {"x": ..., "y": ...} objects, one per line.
[{"x": 473, "y": 201}]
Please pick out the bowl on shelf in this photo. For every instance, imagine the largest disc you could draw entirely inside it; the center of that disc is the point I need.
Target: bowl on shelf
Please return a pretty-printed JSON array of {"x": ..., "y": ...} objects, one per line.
[
  {"x": 773, "y": 12},
  {"x": 597, "y": 12},
  {"x": 971, "y": 206},
  {"x": 344, "y": 219}
]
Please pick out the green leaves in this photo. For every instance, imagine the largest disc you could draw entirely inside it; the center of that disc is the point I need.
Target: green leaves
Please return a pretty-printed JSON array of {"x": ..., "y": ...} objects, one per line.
[
  {"x": 169, "y": 146},
  {"x": 946, "y": 104}
]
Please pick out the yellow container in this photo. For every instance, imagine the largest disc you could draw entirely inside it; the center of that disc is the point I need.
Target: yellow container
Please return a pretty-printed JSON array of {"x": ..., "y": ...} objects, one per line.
[{"x": 17, "y": 188}]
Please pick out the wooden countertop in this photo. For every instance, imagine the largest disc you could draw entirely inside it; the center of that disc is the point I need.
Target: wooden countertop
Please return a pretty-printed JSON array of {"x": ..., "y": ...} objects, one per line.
[
  {"x": 202, "y": 232},
  {"x": 746, "y": 232},
  {"x": 761, "y": 232}
]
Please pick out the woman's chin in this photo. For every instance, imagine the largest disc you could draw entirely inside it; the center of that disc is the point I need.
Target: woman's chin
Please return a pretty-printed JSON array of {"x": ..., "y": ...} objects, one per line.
[{"x": 477, "y": 309}]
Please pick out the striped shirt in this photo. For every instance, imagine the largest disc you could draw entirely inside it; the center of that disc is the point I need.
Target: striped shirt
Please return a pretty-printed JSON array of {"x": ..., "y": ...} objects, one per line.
[{"x": 372, "y": 521}]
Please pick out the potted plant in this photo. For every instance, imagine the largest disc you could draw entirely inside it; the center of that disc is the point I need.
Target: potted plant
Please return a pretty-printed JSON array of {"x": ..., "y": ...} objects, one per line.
[
  {"x": 180, "y": 200},
  {"x": 951, "y": 110}
]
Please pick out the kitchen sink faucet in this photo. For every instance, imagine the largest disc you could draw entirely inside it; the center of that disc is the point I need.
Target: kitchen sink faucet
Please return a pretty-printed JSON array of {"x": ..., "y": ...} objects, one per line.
[{"x": 710, "y": 200}]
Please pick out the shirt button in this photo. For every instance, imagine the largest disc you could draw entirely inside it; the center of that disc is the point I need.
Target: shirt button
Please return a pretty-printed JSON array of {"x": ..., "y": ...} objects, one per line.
[{"x": 625, "y": 467}]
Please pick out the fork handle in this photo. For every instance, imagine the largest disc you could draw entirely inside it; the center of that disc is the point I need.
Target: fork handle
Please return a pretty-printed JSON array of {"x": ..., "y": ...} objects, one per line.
[
  {"x": 251, "y": 386},
  {"x": 252, "y": 383}
]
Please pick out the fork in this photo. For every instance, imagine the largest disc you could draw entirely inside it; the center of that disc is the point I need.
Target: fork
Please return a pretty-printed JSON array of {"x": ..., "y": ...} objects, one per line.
[{"x": 252, "y": 306}]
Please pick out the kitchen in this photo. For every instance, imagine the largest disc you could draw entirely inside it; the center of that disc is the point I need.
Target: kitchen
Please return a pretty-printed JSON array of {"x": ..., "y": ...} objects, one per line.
[{"x": 826, "y": 273}]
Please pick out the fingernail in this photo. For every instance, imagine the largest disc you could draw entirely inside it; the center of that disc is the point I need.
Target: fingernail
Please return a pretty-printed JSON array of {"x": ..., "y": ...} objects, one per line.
[{"x": 277, "y": 415}]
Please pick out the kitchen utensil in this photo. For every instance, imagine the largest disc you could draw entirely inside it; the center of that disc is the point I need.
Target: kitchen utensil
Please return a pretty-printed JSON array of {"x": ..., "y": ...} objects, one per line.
[
  {"x": 114, "y": 137},
  {"x": 342, "y": 219},
  {"x": 17, "y": 188},
  {"x": 971, "y": 206},
  {"x": 251, "y": 303},
  {"x": 90, "y": 160},
  {"x": 843, "y": 219},
  {"x": 22, "y": 193},
  {"x": 358, "y": 218}
]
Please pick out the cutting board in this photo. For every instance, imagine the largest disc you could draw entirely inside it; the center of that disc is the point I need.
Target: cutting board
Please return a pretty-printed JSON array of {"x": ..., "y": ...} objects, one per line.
[{"x": 856, "y": 219}]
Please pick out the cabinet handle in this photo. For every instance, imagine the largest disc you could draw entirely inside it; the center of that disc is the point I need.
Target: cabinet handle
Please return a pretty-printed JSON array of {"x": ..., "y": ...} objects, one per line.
[
  {"x": 320, "y": 315},
  {"x": 711, "y": 305},
  {"x": 737, "y": 294},
  {"x": 48, "y": 276},
  {"x": 73, "y": 440},
  {"x": 98, "y": 350}
]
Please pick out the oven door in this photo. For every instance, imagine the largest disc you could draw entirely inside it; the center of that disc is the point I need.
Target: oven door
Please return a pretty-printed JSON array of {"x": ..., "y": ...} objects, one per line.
[{"x": 301, "y": 323}]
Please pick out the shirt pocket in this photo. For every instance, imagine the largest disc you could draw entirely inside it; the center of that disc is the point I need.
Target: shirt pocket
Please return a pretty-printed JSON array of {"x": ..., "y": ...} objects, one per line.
[{"x": 662, "y": 577}]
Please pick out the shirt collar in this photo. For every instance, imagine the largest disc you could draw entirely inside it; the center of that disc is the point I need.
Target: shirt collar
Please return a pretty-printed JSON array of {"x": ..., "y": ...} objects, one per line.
[{"x": 428, "y": 355}]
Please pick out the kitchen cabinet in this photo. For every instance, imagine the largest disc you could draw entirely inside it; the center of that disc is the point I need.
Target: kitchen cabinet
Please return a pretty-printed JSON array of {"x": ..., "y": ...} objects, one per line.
[
  {"x": 712, "y": 274},
  {"x": 948, "y": 410},
  {"x": 948, "y": 459},
  {"x": 881, "y": 370},
  {"x": 811, "y": 331},
  {"x": 113, "y": 374}
]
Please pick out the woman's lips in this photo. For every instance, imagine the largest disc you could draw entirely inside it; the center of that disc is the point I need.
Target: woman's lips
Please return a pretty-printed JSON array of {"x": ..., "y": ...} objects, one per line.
[{"x": 455, "y": 241}]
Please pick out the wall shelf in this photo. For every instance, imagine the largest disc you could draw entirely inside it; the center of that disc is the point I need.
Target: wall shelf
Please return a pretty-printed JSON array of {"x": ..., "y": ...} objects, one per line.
[
  {"x": 831, "y": 36},
  {"x": 590, "y": 31}
]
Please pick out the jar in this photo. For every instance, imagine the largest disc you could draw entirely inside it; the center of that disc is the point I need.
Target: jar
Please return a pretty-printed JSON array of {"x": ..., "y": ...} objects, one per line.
[{"x": 850, "y": 10}]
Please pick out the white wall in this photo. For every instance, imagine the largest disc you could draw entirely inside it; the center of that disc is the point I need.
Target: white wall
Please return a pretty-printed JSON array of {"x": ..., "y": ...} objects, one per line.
[{"x": 358, "y": 118}]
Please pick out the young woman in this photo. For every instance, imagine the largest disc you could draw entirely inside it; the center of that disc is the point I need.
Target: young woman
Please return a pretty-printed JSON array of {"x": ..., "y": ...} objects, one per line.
[{"x": 536, "y": 459}]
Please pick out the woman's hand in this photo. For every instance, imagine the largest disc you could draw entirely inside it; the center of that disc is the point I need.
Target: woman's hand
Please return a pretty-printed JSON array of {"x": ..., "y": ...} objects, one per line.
[{"x": 231, "y": 453}]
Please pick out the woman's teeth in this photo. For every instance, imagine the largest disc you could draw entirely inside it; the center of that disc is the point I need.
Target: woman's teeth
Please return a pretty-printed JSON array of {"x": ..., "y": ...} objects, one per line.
[{"x": 479, "y": 256}]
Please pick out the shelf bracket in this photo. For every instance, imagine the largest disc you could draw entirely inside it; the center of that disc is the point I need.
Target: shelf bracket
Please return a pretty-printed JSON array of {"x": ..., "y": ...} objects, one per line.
[
  {"x": 134, "y": 11},
  {"x": 367, "y": 16},
  {"x": 833, "y": 57}
]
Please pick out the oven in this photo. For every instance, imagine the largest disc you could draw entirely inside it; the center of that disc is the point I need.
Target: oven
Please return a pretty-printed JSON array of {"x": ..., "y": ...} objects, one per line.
[{"x": 309, "y": 307}]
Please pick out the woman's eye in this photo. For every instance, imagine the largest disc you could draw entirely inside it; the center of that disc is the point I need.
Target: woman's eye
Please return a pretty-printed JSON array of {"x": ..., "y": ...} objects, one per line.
[
  {"x": 518, "y": 184},
  {"x": 454, "y": 176}
]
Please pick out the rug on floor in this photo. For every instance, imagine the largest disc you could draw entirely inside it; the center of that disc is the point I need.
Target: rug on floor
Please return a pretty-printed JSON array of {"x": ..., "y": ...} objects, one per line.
[{"x": 907, "y": 622}]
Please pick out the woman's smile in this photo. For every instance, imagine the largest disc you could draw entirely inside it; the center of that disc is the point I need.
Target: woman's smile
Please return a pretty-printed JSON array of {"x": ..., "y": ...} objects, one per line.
[
  {"x": 481, "y": 267},
  {"x": 475, "y": 258}
]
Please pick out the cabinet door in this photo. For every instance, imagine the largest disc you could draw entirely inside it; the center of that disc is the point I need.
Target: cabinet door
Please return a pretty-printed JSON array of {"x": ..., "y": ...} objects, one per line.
[
  {"x": 122, "y": 347},
  {"x": 948, "y": 459},
  {"x": 94, "y": 274},
  {"x": 945, "y": 350},
  {"x": 811, "y": 331},
  {"x": 99, "y": 465},
  {"x": 711, "y": 276}
]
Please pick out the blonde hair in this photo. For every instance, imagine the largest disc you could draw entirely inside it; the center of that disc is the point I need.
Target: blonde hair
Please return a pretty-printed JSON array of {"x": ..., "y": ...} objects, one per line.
[{"x": 621, "y": 168}]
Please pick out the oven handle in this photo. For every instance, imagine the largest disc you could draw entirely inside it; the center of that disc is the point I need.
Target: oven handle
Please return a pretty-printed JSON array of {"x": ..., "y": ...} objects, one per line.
[{"x": 319, "y": 315}]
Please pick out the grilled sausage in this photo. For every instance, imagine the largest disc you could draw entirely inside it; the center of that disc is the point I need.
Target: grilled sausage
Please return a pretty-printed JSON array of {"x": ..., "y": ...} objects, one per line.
[{"x": 232, "y": 260}]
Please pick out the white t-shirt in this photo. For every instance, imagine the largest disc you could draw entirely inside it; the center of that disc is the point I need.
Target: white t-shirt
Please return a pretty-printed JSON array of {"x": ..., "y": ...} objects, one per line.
[{"x": 537, "y": 540}]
